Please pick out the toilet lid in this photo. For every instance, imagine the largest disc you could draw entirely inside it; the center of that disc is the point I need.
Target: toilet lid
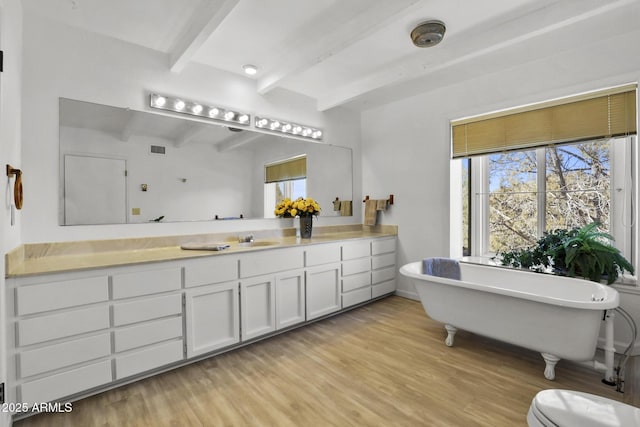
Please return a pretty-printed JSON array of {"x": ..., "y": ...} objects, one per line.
[{"x": 574, "y": 408}]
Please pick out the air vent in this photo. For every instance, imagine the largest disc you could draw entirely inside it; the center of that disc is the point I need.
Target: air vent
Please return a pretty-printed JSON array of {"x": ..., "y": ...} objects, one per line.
[{"x": 158, "y": 149}]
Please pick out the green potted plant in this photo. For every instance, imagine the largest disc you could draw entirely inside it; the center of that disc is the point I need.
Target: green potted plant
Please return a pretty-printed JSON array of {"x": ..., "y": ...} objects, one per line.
[{"x": 578, "y": 252}]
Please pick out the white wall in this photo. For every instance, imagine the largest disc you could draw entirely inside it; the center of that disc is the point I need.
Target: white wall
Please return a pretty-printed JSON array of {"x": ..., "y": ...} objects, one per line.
[
  {"x": 408, "y": 142},
  {"x": 60, "y": 61},
  {"x": 11, "y": 45},
  {"x": 213, "y": 183}
]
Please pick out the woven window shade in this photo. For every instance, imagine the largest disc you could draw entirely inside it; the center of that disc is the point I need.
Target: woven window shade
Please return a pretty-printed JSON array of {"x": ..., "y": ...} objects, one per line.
[
  {"x": 604, "y": 114},
  {"x": 287, "y": 170}
]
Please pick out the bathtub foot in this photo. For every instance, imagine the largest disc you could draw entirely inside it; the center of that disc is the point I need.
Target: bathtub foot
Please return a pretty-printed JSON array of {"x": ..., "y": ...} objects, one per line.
[
  {"x": 451, "y": 333},
  {"x": 549, "y": 370}
]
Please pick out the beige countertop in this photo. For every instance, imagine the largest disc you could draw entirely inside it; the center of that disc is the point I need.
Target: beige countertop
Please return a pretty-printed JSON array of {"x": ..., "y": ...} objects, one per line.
[{"x": 45, "y": 258}]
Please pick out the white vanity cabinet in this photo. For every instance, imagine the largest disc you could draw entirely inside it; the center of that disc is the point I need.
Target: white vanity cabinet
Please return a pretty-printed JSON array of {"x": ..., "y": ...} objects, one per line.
[
  {"x": 323, "y": 279},
  {"x": 271, "y": 291},
  {"x": 356, "y": 272},
  {"x": 60, "y": 327},
  {"x": 383, "y": 266},
  {"x": 368, "y": 270},
  {"x": 212, "y": 318},
  {"x": 147, "y": 318},
  {"x": 72, "y": 334},
  {"x": 212, "y": 304}
]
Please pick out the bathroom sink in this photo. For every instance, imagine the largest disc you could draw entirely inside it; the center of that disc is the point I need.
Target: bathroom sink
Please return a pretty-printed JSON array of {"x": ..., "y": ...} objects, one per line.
[{"x": 257, "y": 243}]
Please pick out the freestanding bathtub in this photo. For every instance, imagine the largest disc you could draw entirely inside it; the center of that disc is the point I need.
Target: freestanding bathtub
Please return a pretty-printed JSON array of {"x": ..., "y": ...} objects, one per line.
[{"x": 557, "y": 316}]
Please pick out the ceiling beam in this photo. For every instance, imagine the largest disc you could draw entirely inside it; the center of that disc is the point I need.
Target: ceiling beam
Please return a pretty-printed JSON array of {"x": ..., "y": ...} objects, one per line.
[
  {"x": 131, "y": 123},
  {"x": 473, "y": 44},
  {"x": 191, "y": 132},
  {"x": 202, "y": 24},
  {"x": 319, "y": 43},
  {"x": 237, "y": 140}
]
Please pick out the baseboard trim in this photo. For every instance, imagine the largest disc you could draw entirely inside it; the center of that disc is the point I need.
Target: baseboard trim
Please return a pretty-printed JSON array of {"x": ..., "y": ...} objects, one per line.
[{"x": 407, "y": 294}]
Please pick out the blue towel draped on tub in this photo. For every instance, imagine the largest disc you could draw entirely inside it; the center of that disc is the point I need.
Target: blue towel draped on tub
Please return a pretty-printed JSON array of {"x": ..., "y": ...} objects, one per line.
[{"x": 441, "y": 267}]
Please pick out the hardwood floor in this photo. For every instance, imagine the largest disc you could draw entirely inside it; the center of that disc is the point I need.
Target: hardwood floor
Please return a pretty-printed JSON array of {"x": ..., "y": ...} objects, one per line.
[{"x": 384, "y": 364}]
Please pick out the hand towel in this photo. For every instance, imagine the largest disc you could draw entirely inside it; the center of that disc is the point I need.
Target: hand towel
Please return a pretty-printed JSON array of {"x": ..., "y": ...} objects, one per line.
[
  {"x": 204, "y": 246},
  {"x": 370, "y": 212},
  {"x": 381, "y": 205},
  {"x": 345, "y": 208},
  {"x": 441, "y": 267}
]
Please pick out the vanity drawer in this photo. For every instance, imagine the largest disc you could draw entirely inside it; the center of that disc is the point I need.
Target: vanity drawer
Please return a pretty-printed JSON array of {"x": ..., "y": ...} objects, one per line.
[
  {"x": 147, "y": 333},
  {"x": 321, "y": 254},
  {"x": 356, "y": 297},
  {"x": 356, "y": 266},
  {"x": 357, "y": 249},
  {"x": 378, "y": 276},
  {"x": 66, "y": 383},
  {"x": 271, "y": 261},
  {"x": 356, "y": 281},
  {"x": 380, "y": 261},
  {"x": 383, "y": 288},
  {"x": 68, "y": 353},
  {"x": 149, "y": 358},
  {"x": 147, "y": 309},
  {"x": 45, "y": 328},
  {"x": 146, "y": 282},
  {"x": 64, "y": 294},
  {"x": 383, "y": 246},
  {"x": 211, "y": 270}
]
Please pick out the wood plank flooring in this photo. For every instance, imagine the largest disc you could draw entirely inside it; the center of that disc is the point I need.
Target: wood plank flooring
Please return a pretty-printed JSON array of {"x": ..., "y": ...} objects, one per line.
[{"x": 384, "y": 364}]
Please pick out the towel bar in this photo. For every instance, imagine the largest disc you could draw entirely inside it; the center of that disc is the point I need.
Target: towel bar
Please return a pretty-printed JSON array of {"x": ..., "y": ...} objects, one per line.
[{"x": 390, "y": 199}]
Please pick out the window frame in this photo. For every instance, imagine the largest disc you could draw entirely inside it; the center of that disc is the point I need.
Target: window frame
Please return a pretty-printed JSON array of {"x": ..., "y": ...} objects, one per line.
[{"x": 623, "y": 215}]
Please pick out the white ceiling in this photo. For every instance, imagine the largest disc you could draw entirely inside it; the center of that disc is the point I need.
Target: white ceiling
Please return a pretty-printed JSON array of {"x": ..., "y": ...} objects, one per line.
[{"x": 349, "y": 53}]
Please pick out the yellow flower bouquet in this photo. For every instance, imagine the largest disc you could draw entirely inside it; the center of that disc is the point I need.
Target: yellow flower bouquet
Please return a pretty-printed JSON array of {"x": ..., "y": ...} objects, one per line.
[{"x": 299, "y": 207}]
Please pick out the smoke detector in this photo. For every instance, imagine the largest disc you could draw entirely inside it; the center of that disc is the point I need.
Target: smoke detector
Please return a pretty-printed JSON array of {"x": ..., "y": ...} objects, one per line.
[{"x": 428, "y": 34}]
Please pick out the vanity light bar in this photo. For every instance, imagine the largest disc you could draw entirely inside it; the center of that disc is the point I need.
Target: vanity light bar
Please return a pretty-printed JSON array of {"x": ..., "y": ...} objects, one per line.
[
  {"x": 288, "y": 128},
  {"x": 183, "y": 106}
]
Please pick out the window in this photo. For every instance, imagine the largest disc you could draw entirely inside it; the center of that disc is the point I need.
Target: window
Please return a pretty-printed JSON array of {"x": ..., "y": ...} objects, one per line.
[
  {"x": 285, "y": 179},
  {"x": 564, "y": 164},
  {"x": 517, "y": 196}
]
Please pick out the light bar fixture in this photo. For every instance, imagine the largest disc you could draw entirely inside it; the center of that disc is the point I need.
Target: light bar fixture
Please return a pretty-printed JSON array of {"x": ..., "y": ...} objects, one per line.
[
  {"x": 288, "y": 128},
  {"x": 183, "y": 106}
]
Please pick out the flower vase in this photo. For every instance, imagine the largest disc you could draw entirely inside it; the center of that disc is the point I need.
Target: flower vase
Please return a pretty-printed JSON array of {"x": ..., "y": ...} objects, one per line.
[{"x": 306, "y": 226}]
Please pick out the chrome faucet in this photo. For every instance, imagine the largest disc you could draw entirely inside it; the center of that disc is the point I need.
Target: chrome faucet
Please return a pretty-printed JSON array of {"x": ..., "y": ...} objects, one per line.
[{"x": 245, "y": 239}]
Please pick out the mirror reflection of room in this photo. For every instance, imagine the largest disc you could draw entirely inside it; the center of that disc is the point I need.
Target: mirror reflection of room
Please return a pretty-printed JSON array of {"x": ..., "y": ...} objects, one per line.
[{"x": 123, "y": 166}]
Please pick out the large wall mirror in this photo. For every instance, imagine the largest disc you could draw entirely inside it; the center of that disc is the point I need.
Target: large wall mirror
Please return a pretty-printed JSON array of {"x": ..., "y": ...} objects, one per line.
[{"x": 120, "y": 166}]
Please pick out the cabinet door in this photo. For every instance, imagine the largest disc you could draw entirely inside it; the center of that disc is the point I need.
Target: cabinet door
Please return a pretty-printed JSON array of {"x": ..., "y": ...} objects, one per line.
[
  {"x": 258, "y": 306},
  {"x": 323, "y": 290},
  {"x": 290, "y": 299},
  {"x": 212, "y": 318}
]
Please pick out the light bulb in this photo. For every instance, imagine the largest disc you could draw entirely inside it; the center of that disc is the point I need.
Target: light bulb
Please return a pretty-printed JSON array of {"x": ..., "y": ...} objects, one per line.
[
  {"x": 306, "y": 132},
  {"x": 243, "y": 118},
  {"x": 275, "y": 124},
  {"x": 197, "y": 109},
  {"x": 317, "y": 134},
  {"x": 159, "y": 101},
  {"x": 297, "y": 129},
  {"x": 286, "y": 127},
  {"x": 179, "y": 105},
  {"x": 229, "y": 115},
  {"x": 213, "y": 112},
  {"x": 262, "y": 122},
  {"x": 250, "y": 69}
]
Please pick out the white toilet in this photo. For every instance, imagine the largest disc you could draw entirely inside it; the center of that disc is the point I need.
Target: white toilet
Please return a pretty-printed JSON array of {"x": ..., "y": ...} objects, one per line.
[{"x": 564, "y": 408}]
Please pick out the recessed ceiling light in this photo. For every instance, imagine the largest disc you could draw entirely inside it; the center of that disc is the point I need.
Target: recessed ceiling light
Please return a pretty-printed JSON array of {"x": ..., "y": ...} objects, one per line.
[{"x": 250, "y": 69}]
